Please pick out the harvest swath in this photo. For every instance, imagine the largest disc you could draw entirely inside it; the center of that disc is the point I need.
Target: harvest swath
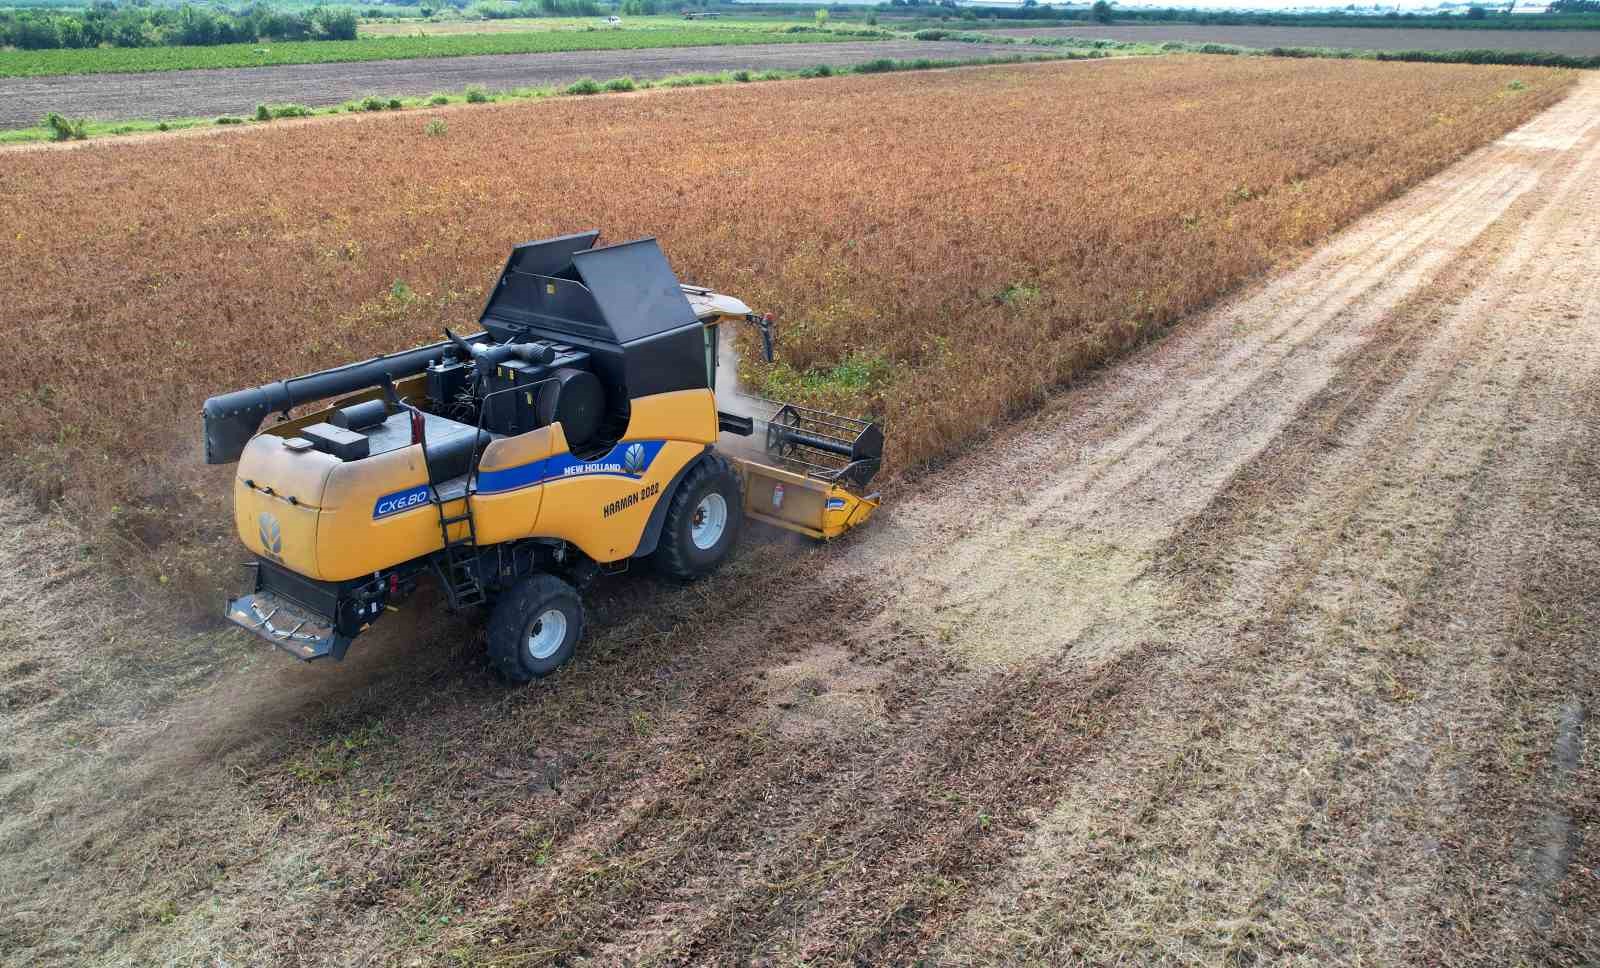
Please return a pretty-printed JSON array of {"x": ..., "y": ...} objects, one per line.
[{"x": 941, "y": 250}]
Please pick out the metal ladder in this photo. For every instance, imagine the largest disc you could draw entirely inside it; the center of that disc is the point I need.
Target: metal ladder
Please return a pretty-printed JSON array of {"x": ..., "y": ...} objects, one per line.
[
  {"x": 459, "y": 575},
  {"x": 460, "y": 572},
  {"x": 460, "y": 569}
]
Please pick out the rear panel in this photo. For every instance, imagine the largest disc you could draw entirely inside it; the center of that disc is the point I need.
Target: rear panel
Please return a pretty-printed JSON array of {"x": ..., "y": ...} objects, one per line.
[
  {"x": 378, "y": 513},
  {"x": 275, "y": 529}
]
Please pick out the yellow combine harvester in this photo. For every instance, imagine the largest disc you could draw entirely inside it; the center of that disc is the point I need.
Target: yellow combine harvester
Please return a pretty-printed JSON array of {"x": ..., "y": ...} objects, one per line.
[{"x": 575, "y": 433}]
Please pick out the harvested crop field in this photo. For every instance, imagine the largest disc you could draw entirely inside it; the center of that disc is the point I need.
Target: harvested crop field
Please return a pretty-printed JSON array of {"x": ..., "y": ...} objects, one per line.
[
  {"x": 940, "y": 283},
  {"x": 1576, "y": 42},
  {"x": 1273, "y": 643},
  {"x": 203, "y": 93}
]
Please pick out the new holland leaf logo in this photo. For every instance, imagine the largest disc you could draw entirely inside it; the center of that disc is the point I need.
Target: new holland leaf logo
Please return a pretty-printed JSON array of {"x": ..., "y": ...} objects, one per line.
[
  {"x": 271, "y": 534},
  {"x": 633, "y": 459}
]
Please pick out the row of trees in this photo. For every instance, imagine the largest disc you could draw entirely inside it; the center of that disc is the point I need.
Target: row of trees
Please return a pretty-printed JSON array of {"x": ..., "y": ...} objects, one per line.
[
  {"x": 538, "y": 8},
  {"x": 1350, "y": 16},
  {"x": 127, "y": 26},
  {"x": 1030, "y": 10}
]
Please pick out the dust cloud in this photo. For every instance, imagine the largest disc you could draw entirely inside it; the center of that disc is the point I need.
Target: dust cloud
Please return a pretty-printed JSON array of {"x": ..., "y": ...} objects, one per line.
[{"x": 732, "y": 400}]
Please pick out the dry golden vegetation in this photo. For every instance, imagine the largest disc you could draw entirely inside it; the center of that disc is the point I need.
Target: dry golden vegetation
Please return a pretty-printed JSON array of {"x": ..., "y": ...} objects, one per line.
[{"x": 940, "y": 249}]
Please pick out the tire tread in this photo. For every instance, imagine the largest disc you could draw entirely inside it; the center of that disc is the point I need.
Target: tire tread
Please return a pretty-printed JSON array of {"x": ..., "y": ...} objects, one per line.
[
  {"x": 672, "y": 554},
  {"x": 511, "y": 615}
]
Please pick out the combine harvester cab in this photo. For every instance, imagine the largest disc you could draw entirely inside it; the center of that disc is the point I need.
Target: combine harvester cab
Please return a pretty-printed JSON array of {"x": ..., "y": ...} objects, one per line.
[{"x": 576, "y": 432}]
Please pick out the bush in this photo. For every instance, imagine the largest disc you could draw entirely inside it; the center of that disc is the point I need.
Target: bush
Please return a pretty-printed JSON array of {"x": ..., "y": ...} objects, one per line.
[
  {"x": 821, "y": 70},
  {"x": 587, "y": 85},
  {"x": 394, "y": 104},
  {"x": 743, "y": 77},
  {"x": 372, "y": 104},
  {"x": 230, "y": 119},
  {"x": 477, "y": 95},
  {"x": 620, "y": 84},
  {"x": 438, "y": 99},
  {"x": 690, "y": 80},
  {"x": 66, "y": 129},
  {"x": 267, "y": 112},
  {"x": 35, "y": 34},
  {"x": 334, "y": 23},
  {"x": 931, "y": 35},
  {"x": 880, "y": 65}
]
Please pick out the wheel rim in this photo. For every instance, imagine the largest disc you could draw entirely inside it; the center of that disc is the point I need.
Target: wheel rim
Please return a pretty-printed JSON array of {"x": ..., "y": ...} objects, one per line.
[
  {"x": 710, "y": 520},
  {"x": 547, "y": 633}
]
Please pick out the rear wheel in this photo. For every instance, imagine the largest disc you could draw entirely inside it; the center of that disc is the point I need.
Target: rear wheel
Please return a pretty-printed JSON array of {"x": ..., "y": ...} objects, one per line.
[
  {"x": 535, "y": 627},
  {"x": 702, "y": 521}
]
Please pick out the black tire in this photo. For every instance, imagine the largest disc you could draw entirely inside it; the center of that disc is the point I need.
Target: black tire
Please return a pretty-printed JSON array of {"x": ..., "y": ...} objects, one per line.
[
  {"x": 677, "y": 554},
  {"x": 517, "y": 619}
]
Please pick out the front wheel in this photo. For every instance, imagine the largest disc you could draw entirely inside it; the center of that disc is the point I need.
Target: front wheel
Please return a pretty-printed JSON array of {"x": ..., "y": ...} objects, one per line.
[
  {"x": 702, "y": 521},
  {"x": 535, "y": 627}
]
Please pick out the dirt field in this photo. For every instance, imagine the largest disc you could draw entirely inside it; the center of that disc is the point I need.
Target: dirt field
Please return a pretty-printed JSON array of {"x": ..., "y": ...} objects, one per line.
[
  {"x": 1583, "y": 42},
  {"x": 1274, "y": 643},
  {"x": 187, "y": 94},
  {"x": 519, "y": 25}
]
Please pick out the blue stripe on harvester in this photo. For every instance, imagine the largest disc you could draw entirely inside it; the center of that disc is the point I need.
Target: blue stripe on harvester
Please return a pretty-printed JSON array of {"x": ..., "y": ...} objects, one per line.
[{"x": 630, "y": 459}]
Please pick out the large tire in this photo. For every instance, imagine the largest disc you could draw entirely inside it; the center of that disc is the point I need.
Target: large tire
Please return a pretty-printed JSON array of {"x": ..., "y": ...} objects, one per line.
[
  {"x": 702, "y": 522},
  {"x": 535, "y": 628}
]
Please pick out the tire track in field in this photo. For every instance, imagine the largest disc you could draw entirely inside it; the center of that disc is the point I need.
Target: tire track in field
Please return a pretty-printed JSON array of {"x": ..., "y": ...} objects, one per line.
[
  {"x": 1105, "y": 517},
  {"x": 1312, "y": 849}
]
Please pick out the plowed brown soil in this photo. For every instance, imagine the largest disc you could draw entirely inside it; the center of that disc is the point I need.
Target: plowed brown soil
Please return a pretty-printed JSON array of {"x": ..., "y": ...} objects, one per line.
[
  {"x": 1274, "y": 643},
  {"x": 202, "y": 93}
]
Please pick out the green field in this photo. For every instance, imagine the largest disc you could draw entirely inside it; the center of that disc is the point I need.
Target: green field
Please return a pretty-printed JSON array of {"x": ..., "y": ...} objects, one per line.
[{"x": 124, "y": 60}]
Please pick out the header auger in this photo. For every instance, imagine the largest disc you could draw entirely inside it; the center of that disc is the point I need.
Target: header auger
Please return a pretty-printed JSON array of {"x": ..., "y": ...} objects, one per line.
[{"x": 576, "y": 432}]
